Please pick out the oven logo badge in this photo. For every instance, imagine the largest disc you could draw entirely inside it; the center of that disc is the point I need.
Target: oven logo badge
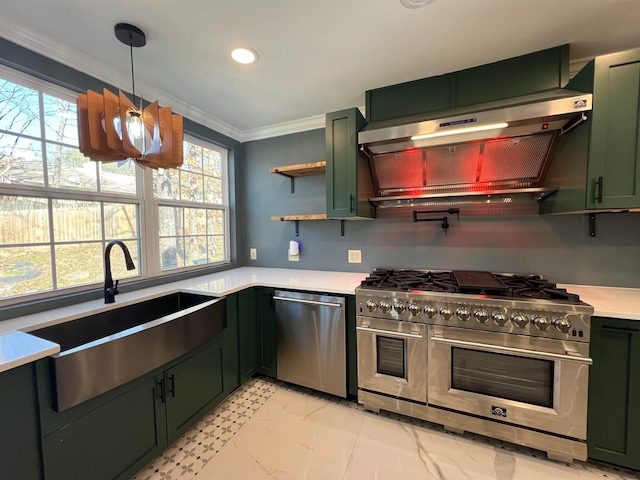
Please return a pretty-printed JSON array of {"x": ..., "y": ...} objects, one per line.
[{"x": 499, "y": 411}]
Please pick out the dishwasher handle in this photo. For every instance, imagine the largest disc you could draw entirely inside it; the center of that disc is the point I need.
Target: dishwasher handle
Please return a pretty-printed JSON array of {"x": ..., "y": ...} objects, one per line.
[{"x": 308, "y": 302}]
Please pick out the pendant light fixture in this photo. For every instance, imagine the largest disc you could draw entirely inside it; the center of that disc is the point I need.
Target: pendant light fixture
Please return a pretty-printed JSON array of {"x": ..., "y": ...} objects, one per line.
[{"x": 112, "y": 128}]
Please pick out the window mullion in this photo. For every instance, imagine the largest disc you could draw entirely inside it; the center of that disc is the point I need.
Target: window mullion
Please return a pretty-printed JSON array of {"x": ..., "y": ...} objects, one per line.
[{"x": 149, "y": 218}]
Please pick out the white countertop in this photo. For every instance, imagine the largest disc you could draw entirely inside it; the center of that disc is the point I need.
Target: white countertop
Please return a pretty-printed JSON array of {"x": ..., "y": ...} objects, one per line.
[
  {"x": 611, "y": 302},
  {"x": 17, "y": 348}
]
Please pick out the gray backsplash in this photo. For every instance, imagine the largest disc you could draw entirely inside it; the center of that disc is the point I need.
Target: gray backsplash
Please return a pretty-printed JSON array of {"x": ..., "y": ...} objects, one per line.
[{"x": 558, "y": 247}]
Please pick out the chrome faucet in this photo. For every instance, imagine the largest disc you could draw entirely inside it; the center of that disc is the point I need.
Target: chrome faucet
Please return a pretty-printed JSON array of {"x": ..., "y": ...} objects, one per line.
[{"x": 110, "y": 291}]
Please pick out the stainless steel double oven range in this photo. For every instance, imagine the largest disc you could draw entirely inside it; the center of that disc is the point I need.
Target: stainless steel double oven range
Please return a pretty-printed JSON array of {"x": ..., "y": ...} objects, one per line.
[{"x": 506, "y": 356}]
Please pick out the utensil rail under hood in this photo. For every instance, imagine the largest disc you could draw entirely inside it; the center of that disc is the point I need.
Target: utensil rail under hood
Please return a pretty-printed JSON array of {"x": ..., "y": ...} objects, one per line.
[{"x": 488, "y": 159}]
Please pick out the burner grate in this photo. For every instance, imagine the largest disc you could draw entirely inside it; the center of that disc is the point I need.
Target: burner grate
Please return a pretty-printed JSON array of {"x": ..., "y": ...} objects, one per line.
[{"x": 467, "y": 282}]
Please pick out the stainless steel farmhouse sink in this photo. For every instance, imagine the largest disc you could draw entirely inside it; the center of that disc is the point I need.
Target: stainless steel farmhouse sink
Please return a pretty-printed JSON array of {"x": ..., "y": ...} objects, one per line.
[{"x": 102, "y": 351}]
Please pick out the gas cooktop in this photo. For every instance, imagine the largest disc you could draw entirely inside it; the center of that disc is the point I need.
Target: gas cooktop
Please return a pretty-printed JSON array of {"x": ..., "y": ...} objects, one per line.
[{"x": 467, "y": 282}]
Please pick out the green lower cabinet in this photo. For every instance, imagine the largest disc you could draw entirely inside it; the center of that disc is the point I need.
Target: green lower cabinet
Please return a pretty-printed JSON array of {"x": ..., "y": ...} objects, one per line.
[
  {"x": 247, "y": 334},
  {"x": 613, "y": 433},
  {"x": 113, "y": 436},
  {"x": 111, "y": 442},
  {"x": 192, "y": 389},
  {"x": 19, "y": 429},
  {"x": 266, "y": 332},
  {"x": 352, "y": 357}
]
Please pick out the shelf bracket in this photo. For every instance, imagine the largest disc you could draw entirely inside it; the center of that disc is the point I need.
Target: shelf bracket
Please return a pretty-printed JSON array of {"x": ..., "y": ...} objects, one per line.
[
  {"x": 592, "y": 224},
  {"x": 290, "y": 177}
]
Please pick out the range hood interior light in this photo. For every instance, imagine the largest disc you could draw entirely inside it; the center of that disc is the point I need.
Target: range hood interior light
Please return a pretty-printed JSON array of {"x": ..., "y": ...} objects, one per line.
[{"x": 456, "y": 131}]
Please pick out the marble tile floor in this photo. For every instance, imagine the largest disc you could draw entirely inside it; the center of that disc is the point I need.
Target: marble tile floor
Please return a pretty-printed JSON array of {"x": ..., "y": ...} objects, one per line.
[{"x": 268, "y": 429}]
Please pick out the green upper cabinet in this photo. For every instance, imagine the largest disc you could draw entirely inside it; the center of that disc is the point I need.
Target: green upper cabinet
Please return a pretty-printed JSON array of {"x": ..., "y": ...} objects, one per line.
[
  {"x": 597, "y": 166},
  {"x": 524, "y": 75},
  {"x": 613, "y": 433},
  {"x": 348, "y": 175},
  {"x": 614, "y": 153}
]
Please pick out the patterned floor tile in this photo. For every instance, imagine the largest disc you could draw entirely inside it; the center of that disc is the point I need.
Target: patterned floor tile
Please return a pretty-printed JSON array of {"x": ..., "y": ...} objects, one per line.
[{"x": 191, "y": 452}]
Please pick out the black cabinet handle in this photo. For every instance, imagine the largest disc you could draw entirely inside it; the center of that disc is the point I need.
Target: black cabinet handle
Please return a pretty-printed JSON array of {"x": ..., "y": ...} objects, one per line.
[
  {"x": 351, "y": 203},
  {"x": 172, "y": 388},
  {"x": 160, "y": 390},
  {"x": 599, "y": 186}
]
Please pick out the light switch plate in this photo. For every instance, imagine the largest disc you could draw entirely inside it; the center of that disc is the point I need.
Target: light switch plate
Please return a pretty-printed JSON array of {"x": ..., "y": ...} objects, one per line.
[
  {"x": 253, "y": 253},
  {"x": 355, "y": 256}
]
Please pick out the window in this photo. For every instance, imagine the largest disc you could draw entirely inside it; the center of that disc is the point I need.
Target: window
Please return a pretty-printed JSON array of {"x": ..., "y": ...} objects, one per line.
[
  {"x": 192, "y": 209},
  {"x": 58, "y": 209}
]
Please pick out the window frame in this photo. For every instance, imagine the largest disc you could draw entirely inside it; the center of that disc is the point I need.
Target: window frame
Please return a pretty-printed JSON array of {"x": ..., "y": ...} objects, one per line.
[{"x": 147, "y": 204}]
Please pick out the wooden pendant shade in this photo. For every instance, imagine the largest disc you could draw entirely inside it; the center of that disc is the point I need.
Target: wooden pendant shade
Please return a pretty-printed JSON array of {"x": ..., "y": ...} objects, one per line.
[{"x": 101, "y": 116}]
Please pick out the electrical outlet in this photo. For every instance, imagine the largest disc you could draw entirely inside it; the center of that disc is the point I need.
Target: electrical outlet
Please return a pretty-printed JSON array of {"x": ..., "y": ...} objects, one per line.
[
  {"x": 355, "y": 256},
  {"x": 253, "y": 253},
  {"x": 294, "y": 258}
]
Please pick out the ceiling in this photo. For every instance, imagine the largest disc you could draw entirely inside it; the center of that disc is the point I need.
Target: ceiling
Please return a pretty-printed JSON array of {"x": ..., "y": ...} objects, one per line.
[{"x": 314, "y": 56}]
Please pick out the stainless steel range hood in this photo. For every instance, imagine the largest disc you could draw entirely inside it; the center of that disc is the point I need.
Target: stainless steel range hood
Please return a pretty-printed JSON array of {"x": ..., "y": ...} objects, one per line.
[{"x": 485, "y": 157}]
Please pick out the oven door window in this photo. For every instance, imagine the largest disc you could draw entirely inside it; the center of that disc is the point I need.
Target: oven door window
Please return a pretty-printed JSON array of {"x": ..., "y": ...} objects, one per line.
[
  {"x": 391, "y": 356},
  {"x": 527, "y": 380}
]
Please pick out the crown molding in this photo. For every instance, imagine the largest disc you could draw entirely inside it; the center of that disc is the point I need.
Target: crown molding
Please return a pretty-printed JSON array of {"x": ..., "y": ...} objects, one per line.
[
  {"x": 83, "y": 62},
  {"x": 285, "y": 128}
]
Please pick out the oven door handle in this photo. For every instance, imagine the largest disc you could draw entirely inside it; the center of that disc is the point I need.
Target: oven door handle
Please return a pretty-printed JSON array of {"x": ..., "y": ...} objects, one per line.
[
  {"x": 390, "y": 333},
  {"x": 570, "y": 356}
]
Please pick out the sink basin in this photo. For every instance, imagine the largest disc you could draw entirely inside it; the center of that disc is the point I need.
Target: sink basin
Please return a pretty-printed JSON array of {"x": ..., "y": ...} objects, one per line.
[{"x": 103, "y": 351}]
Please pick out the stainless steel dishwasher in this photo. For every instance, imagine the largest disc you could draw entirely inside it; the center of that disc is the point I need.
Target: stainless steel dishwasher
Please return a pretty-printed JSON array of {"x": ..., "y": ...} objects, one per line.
[{"x": 311, "y": 341}]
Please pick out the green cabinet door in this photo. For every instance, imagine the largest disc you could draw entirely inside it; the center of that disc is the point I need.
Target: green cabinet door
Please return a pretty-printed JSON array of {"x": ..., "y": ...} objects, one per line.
[
  {"x": 613, "y": 433},
  {"x": 266, "y": 332},
  {"x": 247, "y": 334},
  {"x": 614, "y": 157},
  {"x": 192, "y": 388},
  {"x": 348, "y": 175},
  {"x": 597, "y": 164},
  {"x": 19, "y": 428},
  {"x": 112, "y": 442}
]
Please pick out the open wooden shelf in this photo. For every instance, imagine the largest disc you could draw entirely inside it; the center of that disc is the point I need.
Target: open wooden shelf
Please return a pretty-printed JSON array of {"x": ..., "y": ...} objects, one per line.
[
  {"x": 288, "y": 218},
  {"x": 300, "y": 170}
]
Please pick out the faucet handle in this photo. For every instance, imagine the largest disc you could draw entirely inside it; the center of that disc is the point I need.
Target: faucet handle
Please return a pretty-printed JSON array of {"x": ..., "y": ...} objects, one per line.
[{"x": 115, "y": 288}]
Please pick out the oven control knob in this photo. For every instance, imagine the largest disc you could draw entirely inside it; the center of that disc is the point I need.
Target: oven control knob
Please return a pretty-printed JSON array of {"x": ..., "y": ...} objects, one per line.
[
  {"x": 414, "y": 309},
  {"x": 541, "y": 322},
  {"x": 430, "y": 311},
  {"x": 499, "y": 319},
  {"x": 463, "y": 314},
  {"x": 446, "y": 313},
  {"x": 385, "y": 307},
  {"x": 519, "y": 320},
  {"x": 562, "y": 324},
  {"x": 371, "y": 305},
  {"x": 400, "y": 307},
  {"x": 481, "y": 315}
]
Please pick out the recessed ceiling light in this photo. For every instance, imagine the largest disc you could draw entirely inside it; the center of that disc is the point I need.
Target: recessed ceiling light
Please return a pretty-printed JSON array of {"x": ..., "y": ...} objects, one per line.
[
  {"x": 244, "y": 55},
  {"x": 416, "y": 3}
]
